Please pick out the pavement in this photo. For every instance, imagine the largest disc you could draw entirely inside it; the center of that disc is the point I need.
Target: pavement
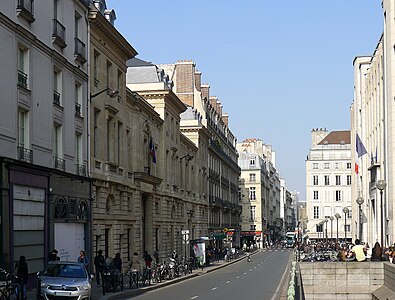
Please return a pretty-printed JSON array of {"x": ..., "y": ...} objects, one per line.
[{"x": 97, "y": 292}]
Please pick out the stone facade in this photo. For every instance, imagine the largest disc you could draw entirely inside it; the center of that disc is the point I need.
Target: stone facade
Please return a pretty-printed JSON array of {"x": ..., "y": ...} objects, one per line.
[{"x": 45, "y": 192}]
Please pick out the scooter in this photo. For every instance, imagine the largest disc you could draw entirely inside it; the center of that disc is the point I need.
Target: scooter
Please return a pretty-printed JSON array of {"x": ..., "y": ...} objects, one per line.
[{"x": 248, "y": 257}]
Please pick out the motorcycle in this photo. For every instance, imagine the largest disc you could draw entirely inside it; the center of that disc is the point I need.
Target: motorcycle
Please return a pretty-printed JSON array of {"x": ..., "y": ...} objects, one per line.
[{"x": 248, "y": 257}]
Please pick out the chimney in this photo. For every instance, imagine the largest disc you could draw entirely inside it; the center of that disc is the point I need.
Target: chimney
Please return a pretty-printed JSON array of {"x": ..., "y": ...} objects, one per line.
[
  {"x": 317, "y": 135},
  {"x": 225, "y": 118},
  {"x": 198, "y": 81},
  {"x": 205, "y": 89},
  {"x": 184, "y": 84}
]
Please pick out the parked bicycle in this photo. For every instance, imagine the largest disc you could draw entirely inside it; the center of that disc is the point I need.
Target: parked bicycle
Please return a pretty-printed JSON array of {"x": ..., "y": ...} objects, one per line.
[{"x": 8, "y": 287}]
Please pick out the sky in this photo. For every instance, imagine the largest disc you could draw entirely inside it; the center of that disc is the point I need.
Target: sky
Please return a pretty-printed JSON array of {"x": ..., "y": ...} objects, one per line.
[{"x": 280, "y": 68}]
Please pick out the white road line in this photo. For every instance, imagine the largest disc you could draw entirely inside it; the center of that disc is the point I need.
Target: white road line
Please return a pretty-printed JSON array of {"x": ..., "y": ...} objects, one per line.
[
  {"x": 227, "y": 282},
  {"x": 237, "y": 277},
  {"x": 214, "y": 288},
  {"x": 194, "y": 297},
  {"x": 245, "y": 273},
  {"x": 250, "y": 270},
  {"x": 254, "y": 267}
]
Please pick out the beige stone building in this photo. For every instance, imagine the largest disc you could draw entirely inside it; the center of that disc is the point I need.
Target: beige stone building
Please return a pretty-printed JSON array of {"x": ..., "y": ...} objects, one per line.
[{"x": 181, "y": 160}]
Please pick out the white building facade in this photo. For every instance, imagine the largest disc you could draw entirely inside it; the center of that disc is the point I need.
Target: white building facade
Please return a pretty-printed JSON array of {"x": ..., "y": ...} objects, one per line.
[{"x": 328, "y": 186}]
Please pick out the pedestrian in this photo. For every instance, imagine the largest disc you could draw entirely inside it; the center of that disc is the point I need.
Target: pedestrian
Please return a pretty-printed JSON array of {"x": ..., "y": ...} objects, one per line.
[
  {"x": 359, "y": 251},
  {"x": 117, "y": 262},
  {"x": 99, "y": 266},
  {"x": 136, "y": 262},
  {"x": 22, "y": 273},
  {"x": 147, "y": 259},
  {"x": 156, "y": 255},
  {"x": 368, "y": 252},
  {"x": 83, "y": 259},
  {"x": 377, "y": 252},
  {"x": 53, "y": 256}
]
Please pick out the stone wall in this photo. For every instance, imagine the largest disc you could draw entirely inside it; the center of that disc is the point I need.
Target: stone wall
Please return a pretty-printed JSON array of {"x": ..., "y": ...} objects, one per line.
[{"x": 341, "y": 280}]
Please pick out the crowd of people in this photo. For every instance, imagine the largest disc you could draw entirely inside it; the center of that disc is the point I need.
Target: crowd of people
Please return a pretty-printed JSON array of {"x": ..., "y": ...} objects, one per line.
[{"x": 356, "y": 251}]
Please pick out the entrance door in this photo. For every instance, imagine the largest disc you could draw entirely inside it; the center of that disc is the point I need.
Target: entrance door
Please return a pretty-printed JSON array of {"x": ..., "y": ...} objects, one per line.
[{"x": 69, "y": 240}]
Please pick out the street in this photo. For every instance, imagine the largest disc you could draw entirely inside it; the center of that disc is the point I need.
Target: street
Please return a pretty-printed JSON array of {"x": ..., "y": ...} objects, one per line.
[{"x": 258, "y": 279}]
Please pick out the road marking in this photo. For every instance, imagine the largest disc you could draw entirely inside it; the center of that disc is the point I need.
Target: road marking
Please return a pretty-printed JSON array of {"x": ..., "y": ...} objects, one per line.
[
  {"x": 254, "y": 267},
  {"x": 250, "y": 270},
  {"x": 214, "y": 288},
  {"x": 227, "y": 282},
  {"x": 238, "y": 277},
  {"x": 194, "y": 297},
  {"x": 245, "y": 273}
]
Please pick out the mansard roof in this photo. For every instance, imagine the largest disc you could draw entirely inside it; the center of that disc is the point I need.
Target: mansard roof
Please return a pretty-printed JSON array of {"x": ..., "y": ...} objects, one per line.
[{"x": 337, "y": 137}]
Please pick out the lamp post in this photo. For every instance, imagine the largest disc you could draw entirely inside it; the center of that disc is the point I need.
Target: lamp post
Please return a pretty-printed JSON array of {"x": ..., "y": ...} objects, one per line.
[
  {"x": 112, "y": 93},
  {"x": 381, "y": 185},
  {"x": 326, "y": 230},
  {"x": 360, "y": 202},
  {"x": 337, "y": 216},
  {"x": 345, "y": 210},
  {"x": 331, "y": 218}
]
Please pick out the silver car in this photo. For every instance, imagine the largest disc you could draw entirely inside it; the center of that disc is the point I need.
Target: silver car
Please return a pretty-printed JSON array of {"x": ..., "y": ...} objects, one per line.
[{"x": 64, "y": 280}]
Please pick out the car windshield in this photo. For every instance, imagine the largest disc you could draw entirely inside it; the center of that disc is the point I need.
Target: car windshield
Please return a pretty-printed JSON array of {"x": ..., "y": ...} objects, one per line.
[{"x": 65, "y": 270}]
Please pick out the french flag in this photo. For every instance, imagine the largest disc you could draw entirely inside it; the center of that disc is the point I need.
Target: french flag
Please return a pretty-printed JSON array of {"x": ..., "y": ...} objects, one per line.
[
  {"x": 152, "y": 150},
  {"x": 360, "y": 149}
]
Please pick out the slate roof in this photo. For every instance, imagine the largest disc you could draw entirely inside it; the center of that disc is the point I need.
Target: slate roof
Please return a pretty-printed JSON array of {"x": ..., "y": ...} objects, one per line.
[
  {"x": 337, "y": 137},
  {"x": 135, "y": 62}
]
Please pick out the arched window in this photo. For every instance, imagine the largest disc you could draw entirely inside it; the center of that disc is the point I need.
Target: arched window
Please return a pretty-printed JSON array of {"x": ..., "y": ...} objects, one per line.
[
  {"x": 83, "y": 211},
  {"x": 61, "y": 209}
]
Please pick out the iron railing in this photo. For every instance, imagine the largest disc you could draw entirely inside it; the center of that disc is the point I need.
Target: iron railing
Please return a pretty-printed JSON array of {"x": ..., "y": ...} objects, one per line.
[
  {"x": 25, "y": 154},
  {"x": 56, "y": 98},
  {"x": 59, "y": 163},
  {"x": 59, "y": 33},
  {"x": 78, "y": 109},
  {"x": 25, "y": 8},
  {"x": 22, "y": 79},
  {"x": 79, "y": 49}
]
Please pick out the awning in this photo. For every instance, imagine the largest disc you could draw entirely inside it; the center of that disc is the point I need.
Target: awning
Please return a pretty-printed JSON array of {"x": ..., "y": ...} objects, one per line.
[{"x": 219, "y": 236}]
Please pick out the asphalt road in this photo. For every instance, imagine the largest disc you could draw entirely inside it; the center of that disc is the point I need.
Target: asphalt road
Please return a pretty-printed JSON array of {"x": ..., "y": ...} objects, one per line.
[{"x": 258, "y": 279}]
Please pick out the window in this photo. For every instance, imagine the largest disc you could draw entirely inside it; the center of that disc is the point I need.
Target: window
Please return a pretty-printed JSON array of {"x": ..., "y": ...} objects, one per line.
[
  {"x": 95, "y": 132},
  {"x": 326, "y": 179},
  {"x": 23, "y": 69},
  {"x": 252, "y": 213},
  {"x": 79, "y": 46},
  {"x": 252, "y": 177},
  {"x": 252, "y": 227},
  {"x": 78, "y": 99},
  {"x": 336, "y": 165},
  {"x": 22, "y": 130},
  {"x": 348, "y": 179},
  {"x": 108, "y": 74},
  {"x": 252, "y": 193},
  {"x": 315, "y": 165},
  {"x": 338, "y": 180},
  {"x": 95, "y": 67},
  {"x": 316, "y": 212},
  {"x": 119, "y": 84},
  {"x": 315, "y": 180},
  {"x": 326, "y": 166},
  {"x": 319, "y": 228},
  {"x": 119, "y": 142},
  {"x": 252, "y": 161},
  {"x": 348, "y": 165},
  {"x": 348, "y": 228},
  {"x": 315, "y": 195},
  {"x": 57, "y": 142},
  {"x": 78, "y": 148},
  {"x": 57, "y": 86},
  {"x": 338, "y": 195}
]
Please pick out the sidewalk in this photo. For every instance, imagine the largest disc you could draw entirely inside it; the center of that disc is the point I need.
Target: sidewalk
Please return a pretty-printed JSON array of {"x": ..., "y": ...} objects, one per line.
[{"x": 97, "y": 292}]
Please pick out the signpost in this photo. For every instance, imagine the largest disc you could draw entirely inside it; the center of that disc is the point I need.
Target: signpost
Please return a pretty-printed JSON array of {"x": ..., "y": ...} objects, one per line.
[{"x": 185, "y": 240}]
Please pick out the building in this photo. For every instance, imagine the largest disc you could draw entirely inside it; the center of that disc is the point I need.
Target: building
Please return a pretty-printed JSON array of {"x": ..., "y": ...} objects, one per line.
[
  {"x": 328, "y": 185},
  {"x": 223, "y": 171},
  {"x": 45, "y": 189},
  {"x": 181, "y": 161},
  {"x": 263, "y": 217}
]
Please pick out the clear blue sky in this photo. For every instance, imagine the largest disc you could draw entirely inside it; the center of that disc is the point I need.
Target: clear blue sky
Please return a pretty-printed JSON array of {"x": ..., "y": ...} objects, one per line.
[{"x": 280, "y": 68}]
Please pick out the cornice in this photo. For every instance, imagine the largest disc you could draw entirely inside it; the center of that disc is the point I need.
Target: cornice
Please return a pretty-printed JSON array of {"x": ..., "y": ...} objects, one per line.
[{"x": 99, "y": 22}]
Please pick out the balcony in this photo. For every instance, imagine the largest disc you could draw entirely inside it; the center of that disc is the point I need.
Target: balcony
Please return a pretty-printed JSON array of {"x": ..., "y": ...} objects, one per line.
[
  {"x": 80, "y": 170},
  {"x": 59, "y": 163},
  {"x": 22, "y": 79},
  {"x": 25, "y": 154},
  {"x": 24, "y": 9},
  {"x": 56, "y": 98},
  {"x": 59, "y": 34},
  {"x": 78, "y": 109},
  {"x": 79, "y": 51}
]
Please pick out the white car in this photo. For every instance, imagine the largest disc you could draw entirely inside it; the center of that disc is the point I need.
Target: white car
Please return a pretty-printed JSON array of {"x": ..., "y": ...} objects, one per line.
[{"x": 64, "y": 280}]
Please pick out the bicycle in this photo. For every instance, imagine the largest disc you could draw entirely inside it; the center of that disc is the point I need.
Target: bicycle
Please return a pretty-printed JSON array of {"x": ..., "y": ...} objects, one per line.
[{"x": 8, "y": 289}]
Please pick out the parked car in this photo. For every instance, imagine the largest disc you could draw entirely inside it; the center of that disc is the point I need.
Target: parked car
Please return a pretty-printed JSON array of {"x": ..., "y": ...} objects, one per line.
[{"x": 63, "y": 280}]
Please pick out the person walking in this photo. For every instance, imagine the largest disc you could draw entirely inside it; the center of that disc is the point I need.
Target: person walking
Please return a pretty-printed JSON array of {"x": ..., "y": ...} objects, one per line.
[
  {"x": 99, "y": 266},
  {"x": 53, "y": 256},
  {"x": 22, "y": 273},
  {"x": 83, "y": 259},
  {"x": 147, "y": 259}
]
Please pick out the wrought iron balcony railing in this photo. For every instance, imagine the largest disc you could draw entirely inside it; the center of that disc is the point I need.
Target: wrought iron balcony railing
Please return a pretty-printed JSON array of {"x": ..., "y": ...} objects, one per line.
[
  {"x": 25, "y": 154},
  {"x": 25, "y": 9},
  {"x": 59, "y": 33},
  {"x": 78, "y": 109},
  {"x": 59, "y": 163},
  {"x": 80, "y": 169},
  {"x": 22, "y": 79},
  {"x": 79, "y": 50},
  {"x": 56, "y": 98}
]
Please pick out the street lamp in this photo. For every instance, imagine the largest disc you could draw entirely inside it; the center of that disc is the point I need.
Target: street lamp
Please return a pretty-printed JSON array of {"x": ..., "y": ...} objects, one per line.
[
  {"x": 360, "y": 202},
  {"x": 381, "y": 185},
  {"x": 337, "y": 216},
  {"x": 331, "y": 218},
  {"x": 326, "y": 230},
  {"x": 345, "y": 210},
  {"x": 111, "y": 92}
]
